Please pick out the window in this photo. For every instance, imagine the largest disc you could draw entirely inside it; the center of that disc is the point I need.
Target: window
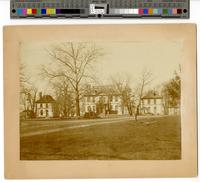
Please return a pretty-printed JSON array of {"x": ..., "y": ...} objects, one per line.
[
  {"x": 41, "y": 112},
  {"x": 88, "y": 99},
  {"x": 154, "y": 110},
  {"x": 46, "y": 105},
  {"x": 93, "y": 99},
  {"x": 116, "y": 98},
  {"x": 116, "y": 107},
  {"x": 154, "y": 101},
  {"x": 89, "y": 108},
  {"x": 93, "y": 108},
  {"x": 40, "y": 105},
  {"x": 149, "y": 100},
  {"x": 47, "y": 113},
  {"x": 142, "y": 102}
]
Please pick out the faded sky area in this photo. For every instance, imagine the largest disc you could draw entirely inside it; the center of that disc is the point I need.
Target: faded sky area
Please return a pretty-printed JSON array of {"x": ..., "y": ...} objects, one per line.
[{"x": 120, "y": 58}]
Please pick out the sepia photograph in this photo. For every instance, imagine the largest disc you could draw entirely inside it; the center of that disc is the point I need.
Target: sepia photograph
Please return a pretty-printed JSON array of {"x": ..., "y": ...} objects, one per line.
[{"x": 100, "y": 100}]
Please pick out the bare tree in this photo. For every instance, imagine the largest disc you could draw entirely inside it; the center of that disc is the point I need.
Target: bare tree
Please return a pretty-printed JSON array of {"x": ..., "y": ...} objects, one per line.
[
  {"x": 122, "y": 86},
  {"x": 74, "y": 62},
  {"x": 23, "y": 86},
  {"x": 23, "y": 78},
  {"x": 27, "y": 92},
  {"x": 32, "y": 94},
  {"x": 144, "y": 80},
  {"x": 64, "y": 97}
]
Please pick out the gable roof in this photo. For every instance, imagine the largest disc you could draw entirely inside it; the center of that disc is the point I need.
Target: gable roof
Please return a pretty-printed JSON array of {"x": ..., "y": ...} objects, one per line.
[
  {"x": 46, "y": 99},
  {"x": 103, "y": 90}
]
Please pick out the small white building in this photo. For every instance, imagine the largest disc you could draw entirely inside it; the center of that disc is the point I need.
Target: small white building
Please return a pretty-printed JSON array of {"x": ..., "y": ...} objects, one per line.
[
  {"x": 45, "y": 106},
  {"x": 152, "y": 103}
]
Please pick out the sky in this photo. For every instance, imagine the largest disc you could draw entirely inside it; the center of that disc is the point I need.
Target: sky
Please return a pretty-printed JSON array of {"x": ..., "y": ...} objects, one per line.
[{"x": 120, "y": 58}]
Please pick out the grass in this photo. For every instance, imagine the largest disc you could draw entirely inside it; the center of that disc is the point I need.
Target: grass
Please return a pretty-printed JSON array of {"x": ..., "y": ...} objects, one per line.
[{"x": 147, "y": 139}]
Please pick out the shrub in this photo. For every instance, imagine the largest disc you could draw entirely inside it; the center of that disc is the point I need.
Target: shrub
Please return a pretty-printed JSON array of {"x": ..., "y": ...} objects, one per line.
[{"x": 90, "y": 115}]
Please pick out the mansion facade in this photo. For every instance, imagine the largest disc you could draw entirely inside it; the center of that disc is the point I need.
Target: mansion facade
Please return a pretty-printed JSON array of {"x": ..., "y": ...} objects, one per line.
[
  {"x": 102, "y": 100},
  {"x": 103, "y": 104}
]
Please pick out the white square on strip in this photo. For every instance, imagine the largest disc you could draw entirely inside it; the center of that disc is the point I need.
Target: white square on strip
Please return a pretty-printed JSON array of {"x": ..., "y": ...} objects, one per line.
[
  {"x": 131, "y": 11},
  {"x": 125, "y": 11},
  {"x": 121, "y": 11},
  {"x": 135, "y": 11},
  {"x": 92, "y": 10}
]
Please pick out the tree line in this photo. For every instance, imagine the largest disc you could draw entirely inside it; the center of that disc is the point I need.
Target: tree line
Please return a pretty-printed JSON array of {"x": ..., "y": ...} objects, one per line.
[{"x": 72, "y": 69}]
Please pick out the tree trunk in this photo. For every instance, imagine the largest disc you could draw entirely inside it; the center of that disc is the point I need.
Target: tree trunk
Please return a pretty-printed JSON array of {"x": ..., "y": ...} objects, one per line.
[
  {"x": 77, "y": 106},
  {"x": 77, "y": 102},
  {"x": 130, "y": 113},
  {"x": 122, "y": 109},
  {"x": 135, "y": 116},
  {"x": 136, "y": 113},
  {"x": 129, "y": 110}
]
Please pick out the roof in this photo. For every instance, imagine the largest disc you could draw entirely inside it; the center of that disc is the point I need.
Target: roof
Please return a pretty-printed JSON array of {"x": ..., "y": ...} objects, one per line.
[
  {"x": 103, "y": 90},
  {"x": 152, "y": 96},
  {"x": 100, "y": 94},
  {"x": 46, "y": 99}
]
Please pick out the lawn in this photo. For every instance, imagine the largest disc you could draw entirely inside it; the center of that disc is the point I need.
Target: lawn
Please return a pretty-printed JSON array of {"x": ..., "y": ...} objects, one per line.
[{"x": 147, "y": 139}]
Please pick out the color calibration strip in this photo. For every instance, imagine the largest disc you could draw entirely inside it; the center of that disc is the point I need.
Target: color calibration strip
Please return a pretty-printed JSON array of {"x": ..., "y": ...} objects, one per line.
[
  {"x": 99, "y": 8},
  {"x": 52, "y": 11}
]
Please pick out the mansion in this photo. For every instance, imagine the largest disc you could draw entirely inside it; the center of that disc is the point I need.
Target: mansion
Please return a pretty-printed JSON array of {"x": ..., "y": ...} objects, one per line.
[{"x": 102, "y": 100}]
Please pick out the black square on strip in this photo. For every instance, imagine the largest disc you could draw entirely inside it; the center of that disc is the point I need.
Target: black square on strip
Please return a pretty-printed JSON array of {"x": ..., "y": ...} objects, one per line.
[{"x": 179, "y": 11}]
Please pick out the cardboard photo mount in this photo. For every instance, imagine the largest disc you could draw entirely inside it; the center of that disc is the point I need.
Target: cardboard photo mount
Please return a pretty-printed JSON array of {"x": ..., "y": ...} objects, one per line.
[{"x": 186, "y": 167}]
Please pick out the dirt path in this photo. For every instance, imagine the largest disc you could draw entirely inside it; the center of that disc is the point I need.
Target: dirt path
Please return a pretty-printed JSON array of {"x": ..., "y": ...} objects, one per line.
[
  {"x": 79, "y": 125},
  {"x": 56, "y": 126}
]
